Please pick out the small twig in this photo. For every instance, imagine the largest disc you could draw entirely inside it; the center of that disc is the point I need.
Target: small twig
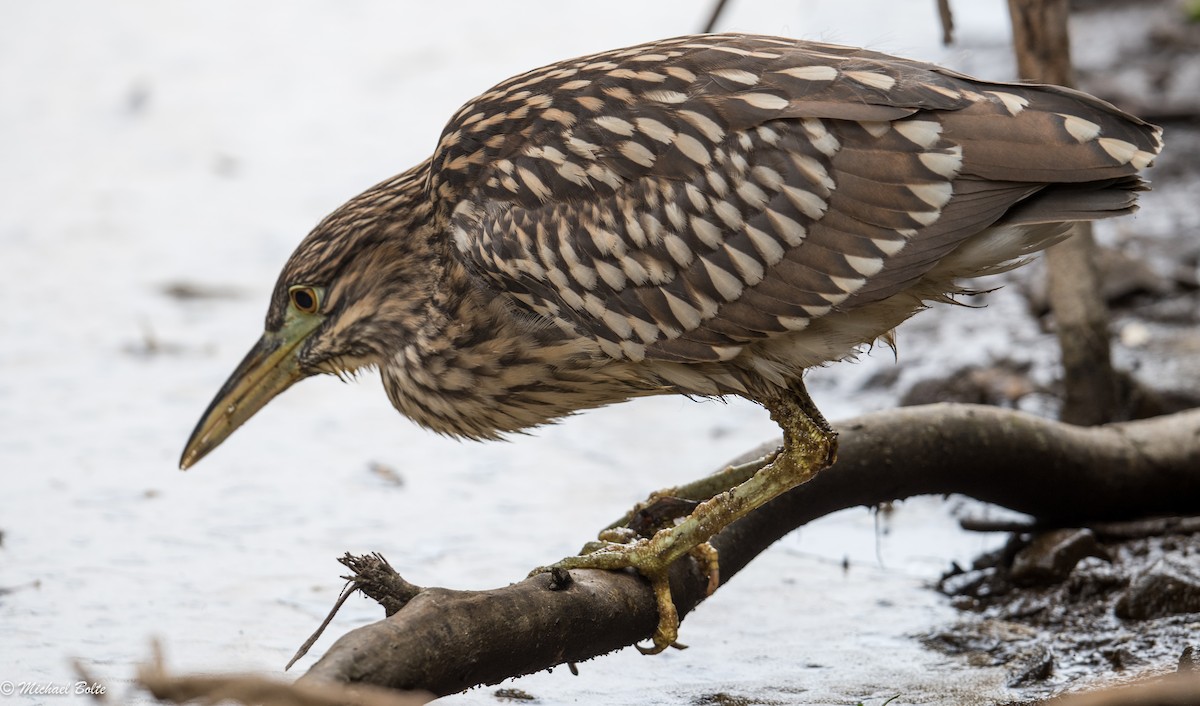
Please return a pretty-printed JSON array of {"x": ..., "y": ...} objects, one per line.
[
  {"x": 5, "y": 590},
  {"x": 976, "y": 524},
  {"x": 947, "y": 18},
  {"x": 1152, "y": 527},
  {"x": 347, "y": 591},
  {"x": 376, "y": 578},
  {"x": 1134, "y": 529},
  {"x": 714, "y": 17},
  {"x": 560, "y": 578}
]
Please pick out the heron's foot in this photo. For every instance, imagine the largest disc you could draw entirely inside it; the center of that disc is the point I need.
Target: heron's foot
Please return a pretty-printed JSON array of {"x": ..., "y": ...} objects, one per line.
[
  {"x": 810, "y": 445},
  {"x": 659, "y": 511},
  {"x": 647, "y": 557},
  {"x": 607, "y": 538}
]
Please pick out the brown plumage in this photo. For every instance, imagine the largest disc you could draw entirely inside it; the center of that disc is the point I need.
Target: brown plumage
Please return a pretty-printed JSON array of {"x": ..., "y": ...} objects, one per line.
[{"x": 704, "y": 215}]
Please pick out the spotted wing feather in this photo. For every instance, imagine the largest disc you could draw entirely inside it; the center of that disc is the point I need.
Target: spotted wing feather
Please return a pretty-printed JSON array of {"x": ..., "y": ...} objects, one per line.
[{"x": 684, "y": 199}]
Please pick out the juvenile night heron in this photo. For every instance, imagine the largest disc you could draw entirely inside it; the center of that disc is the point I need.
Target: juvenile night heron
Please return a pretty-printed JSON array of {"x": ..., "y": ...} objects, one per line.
[{"x": 704, "y": 215}]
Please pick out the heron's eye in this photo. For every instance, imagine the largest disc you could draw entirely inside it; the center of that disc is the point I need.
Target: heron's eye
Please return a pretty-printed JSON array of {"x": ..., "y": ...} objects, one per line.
[{"x": 305, "y": 299}]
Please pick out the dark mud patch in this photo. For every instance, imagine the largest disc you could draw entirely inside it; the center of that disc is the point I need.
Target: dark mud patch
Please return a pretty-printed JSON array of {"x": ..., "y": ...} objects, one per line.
[{"x": 1074, "y": 608}]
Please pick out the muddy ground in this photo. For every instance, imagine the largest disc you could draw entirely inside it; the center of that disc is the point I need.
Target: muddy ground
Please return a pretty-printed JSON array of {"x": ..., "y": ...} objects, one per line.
[
  {"x": 1078, "y": 605},
  {"x": 1083, "y": 607}
]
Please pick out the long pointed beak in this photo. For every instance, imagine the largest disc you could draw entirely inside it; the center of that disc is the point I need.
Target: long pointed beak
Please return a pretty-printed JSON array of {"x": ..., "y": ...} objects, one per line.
[{"x": 268, "y": 369}]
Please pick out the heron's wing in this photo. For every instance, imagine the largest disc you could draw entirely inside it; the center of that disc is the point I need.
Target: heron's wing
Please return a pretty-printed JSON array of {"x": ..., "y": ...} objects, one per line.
[{"x": 682, "y": 199}]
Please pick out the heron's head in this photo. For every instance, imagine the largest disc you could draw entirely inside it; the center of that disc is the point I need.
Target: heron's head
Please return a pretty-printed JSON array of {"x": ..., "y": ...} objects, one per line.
[{"x": 355, "y": 289}]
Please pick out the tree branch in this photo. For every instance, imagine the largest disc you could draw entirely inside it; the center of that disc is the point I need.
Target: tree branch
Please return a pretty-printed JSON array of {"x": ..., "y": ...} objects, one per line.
[{"x": 445, "y": 641}]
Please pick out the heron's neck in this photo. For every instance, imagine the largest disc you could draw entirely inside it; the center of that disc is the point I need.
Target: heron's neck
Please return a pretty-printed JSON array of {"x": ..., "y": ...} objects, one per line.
[{"x": 478, "y": 368}]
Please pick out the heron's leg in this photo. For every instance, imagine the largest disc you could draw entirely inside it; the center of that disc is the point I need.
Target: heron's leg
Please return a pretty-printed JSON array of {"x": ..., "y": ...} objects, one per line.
[
  {"x": 809, "y": 445},
  {"x": 663, "y": 507},
  {"x": 701, "y": 489}
]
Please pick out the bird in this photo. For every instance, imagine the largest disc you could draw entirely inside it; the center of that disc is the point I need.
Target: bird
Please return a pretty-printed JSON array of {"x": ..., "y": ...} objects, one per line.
[{"x": 705, "y": 215}]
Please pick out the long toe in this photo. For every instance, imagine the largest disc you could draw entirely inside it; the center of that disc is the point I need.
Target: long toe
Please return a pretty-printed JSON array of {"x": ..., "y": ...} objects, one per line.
[{"x": 642, "y": 556}]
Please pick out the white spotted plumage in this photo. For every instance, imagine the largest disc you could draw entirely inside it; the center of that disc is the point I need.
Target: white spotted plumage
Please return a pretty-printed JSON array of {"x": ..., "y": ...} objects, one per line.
[
  {"x": 713, "y": 215},
  {"x": 754, "y": 187}
]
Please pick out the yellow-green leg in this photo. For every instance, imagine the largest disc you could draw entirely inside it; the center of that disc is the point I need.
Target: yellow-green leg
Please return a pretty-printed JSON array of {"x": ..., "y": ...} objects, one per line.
[
  {"x": 703, "y": 488},
  {"x": 809, "y": 445}
]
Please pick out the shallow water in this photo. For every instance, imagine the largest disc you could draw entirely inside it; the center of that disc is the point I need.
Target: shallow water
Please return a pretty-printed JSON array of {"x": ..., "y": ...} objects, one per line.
[{"x": 152, "y": 144}]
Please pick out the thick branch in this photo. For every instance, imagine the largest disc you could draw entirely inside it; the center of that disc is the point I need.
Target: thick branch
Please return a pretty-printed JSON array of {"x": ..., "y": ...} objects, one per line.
[{"x": 444, "y": 641}]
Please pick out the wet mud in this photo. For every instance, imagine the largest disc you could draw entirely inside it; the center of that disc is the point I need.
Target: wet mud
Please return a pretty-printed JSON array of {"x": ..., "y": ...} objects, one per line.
[{"x": 1072, "y": 607}]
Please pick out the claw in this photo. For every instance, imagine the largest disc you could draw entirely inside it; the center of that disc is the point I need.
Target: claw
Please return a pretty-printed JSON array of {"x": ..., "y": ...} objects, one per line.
[
  {"x": 706, "y": 556},
  {"x": 668, "y": 617},
  {"x": 639, "y": 555}
]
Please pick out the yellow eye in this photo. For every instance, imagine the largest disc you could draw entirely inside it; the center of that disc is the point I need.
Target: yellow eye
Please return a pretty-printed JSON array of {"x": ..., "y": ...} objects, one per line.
[{"x": 305, "y": 299}]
